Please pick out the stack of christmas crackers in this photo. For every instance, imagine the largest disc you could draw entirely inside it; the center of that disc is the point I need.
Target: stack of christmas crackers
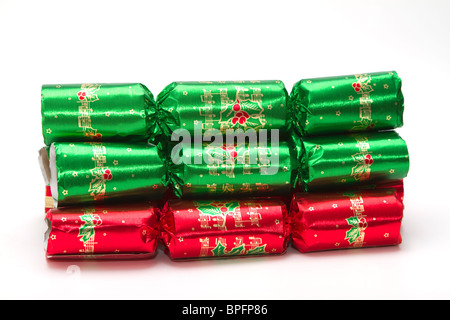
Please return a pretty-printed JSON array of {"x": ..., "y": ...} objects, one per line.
[{"x": 224, "y": 168}]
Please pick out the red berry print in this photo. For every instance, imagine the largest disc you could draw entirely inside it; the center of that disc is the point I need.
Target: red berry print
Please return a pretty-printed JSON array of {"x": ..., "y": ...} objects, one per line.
[
  {"x": 237, "y": 106},
  {"x": 97, "y": 220},
  {"x": 370, "y": 126},
  {"x": 81, "y": 95},
  {"x": 239, "y": 115},
  {"x": 223, "y": 209},
  {"x": 368, "y": 160},
  {"x": 356, "y": 86},
  {"x": 230, "y": 150},
  {"x": 107, "y": 175},
  {"x": 98, "y": 136}
]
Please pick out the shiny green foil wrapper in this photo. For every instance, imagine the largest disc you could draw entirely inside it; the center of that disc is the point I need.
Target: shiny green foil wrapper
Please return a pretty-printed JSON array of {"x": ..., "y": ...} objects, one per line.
[
  {"x": 242, "y": 170},
  {"x": 95, "y": 173},
  {"x": 352, "y": 103},
  {"x": 97, "y": 112},
  {"x": 340, "y": 161},
  {"x": 223, "y": 105}
]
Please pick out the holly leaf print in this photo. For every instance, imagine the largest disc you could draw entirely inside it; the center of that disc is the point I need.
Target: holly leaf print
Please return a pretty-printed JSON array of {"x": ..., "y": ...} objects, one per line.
[
  {"x": 257, "y": 250},
  {"x": 251, "y": 107},
  {"x": 219, "y": 250},
  {"x": 352, "y": 234},
  {"x": 209, "y": 210},
  {"x": 237, "y": 250}
]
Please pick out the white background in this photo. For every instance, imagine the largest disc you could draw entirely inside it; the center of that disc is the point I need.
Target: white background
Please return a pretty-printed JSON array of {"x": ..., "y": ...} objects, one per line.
[{"x": 157, "y": 43}]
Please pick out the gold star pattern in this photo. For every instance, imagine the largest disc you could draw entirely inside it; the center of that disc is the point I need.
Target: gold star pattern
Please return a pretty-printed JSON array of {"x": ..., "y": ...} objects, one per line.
[
  {"x": 49, "y": 130},
  {"x": 388, "y": 117},
  {"x": 185, "y": 93},
  {"x": 350, "y": 98},
  {"x": 386, "y": 86},
  {"x": 277, "y": 221},
  {"x": 334, "y": 205},
  {"x": 75, "y": 174},
  {"x": 391, "y": 171},
  {"x": 180, "y": 239},
  {"x": 131, "y": 111},
  {"x": 107, "y": 113},
  {"x": 308, "y": 81},
  {"x": 338, "y": 113},
  {"x": 155, "y": 186},
  {"x": 340, "y": 144},
  {"x": 129, "y": 149},
  {"x": 317, "y": 147},
  {"x": 269, "y": 107},
  {"x": 306, "y": 122},
  {"x": 337, "y": 244},
  {"x": 63, "y": 219},
  {"x": 53, "y": 237},
  {"x": 311, "y": 208},
  {"x": 386, "y": 235},
  {"x": 115, "y": 162},
  {"x": 65, "y": 192}
]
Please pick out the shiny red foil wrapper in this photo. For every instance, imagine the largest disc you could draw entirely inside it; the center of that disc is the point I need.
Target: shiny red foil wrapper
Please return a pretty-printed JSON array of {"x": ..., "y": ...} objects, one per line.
[
  {"x": 347, "y": 219},
  {"x": 223, "y": 228},
  {"x": 113, "y": 232}
]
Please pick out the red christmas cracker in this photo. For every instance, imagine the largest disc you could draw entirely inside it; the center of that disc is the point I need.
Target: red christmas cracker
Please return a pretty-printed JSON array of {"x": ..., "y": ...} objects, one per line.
[
  {"x": 128, "y": 231},
  {"x": 225, "y": 228},
  {"x": 352, "y": 219}
]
